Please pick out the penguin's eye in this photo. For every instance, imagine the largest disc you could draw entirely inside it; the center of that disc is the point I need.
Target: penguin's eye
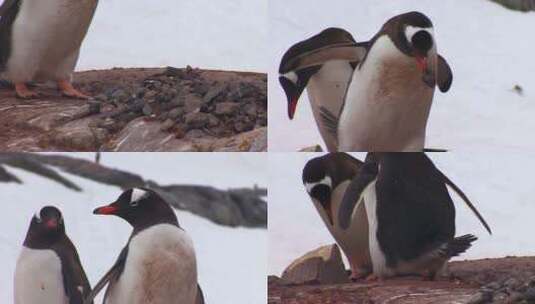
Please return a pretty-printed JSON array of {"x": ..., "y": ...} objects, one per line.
[
  {"x": 38, "y": 220},
  {"x": 134, "y": 203}
]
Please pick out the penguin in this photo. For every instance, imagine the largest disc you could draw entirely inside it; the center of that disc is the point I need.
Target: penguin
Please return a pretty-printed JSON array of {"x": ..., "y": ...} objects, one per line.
[
  {"x": 326, "y": 83},
  {"x": 389, "y": 96},
  {"x": 40, "y": 41},
  {"x": 326, "y": 179},
  {"x": 158, "y": 264},
  {"x": 410, "y": 213},
  {"x": 48, "y": 269}
]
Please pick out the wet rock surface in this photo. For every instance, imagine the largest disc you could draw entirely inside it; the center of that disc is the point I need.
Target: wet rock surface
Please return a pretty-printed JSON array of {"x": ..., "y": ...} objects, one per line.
[
  {"x": 500, "y": 281},
  {"x": 177, "y": 109}
]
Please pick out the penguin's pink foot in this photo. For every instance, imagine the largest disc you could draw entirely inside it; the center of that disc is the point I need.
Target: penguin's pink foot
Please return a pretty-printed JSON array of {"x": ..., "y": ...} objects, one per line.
[
  {"x": 68, "y": 90},
  {"x": 22, "y": 91}
]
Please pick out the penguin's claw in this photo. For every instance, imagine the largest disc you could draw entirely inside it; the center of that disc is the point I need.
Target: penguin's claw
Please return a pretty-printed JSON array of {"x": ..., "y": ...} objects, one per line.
[
  {"x": 68, "y": 90},
  {"x": 22, "y": 91},
  {"x": 355, "y": 276}
]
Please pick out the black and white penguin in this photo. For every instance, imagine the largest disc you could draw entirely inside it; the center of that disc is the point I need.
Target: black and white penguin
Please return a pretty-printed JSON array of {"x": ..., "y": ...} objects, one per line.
[
  {"x": 410, "y": 213},
  {"x": 389, "y": 97},
  {"x": 326, "y": 83},
  {"x": 326, "y": 179},
  {"x": 48, "y": 269},
  {"x": 40, "y": 41},
  {"x": 158, "y": 263}
]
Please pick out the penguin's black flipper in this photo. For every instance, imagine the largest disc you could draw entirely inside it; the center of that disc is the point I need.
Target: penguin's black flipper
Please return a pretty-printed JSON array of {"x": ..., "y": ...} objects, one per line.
[
  {"x": 466, "y": 200},
  {"x": 200, "y": 295},
  {"x": 353, "y": 194},
  {"x": 110, "y": 277},
  {"x": 8, "y": 12},
  {"x": 457, "y": 246},
  {"x": 75, "y": 281}
]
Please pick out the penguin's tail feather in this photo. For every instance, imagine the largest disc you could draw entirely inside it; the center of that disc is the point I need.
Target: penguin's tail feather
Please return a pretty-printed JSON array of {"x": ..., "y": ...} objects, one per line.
[{"x": 457, "y": 246}]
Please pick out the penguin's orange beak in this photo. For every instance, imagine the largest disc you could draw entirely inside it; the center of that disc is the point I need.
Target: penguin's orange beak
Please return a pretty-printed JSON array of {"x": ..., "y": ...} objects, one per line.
[
  {"x": 52, "y": 224},
  {"x": 106, "y": 210},
  {"x": 421, "y": 63}
]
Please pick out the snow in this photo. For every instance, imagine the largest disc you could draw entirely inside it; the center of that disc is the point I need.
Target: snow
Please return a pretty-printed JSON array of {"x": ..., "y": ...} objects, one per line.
[
  {"x": 232, "y": 261},
  {"x": 228, "y": 35},
  {"x": 498, "y": 184},
  {"x": 485, "y": 44}
]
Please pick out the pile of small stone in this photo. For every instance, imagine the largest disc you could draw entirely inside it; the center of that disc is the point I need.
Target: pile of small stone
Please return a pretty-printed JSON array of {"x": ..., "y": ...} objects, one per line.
[
  {"x": 188, "y": 105},
  {"x": 510, "y": 291}
]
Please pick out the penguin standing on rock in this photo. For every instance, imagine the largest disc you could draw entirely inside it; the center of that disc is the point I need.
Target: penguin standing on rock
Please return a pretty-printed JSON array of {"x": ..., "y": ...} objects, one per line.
[
  {"x": 390, "y": 92},
  {"x": 158, "y": 264},
  {"x": 326, "y": 179},
  {"x": 48, "y": 269},
  {"x": 326, "y": 83},
  {"x": 410, "y": 213},
  {"x": 40, "y": 41}
]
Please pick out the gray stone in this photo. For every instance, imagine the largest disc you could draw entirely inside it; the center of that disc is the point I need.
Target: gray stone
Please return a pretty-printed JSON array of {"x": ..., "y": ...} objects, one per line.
[
  {"x": 320, "y": 266},
  {"x": 197, "y": 120},
  {"x": 175, "y": 113},
  {"x": 214, "y": 92},
  {"x": 226, "y": 108}
]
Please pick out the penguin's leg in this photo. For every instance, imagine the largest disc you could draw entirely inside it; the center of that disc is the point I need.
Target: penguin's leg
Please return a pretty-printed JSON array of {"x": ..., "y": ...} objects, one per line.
[
  {"x": 22, "y": 91},
  {"x": 357, "y": 273},
  {"x": 63, "y": 75}
]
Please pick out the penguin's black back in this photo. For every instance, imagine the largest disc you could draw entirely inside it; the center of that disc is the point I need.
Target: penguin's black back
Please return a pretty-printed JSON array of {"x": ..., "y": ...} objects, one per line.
[
  {"x": 414, "y": 209},
  {"x": 8, "y": 12}
]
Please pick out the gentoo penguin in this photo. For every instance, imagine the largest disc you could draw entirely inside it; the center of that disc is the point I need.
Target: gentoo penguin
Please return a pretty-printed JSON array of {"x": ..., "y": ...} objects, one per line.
[
  {"x": 326, "y": 179},
  {"x": 158, "y": 264},
  {"x": 48, "y": 270},
  {"x": 326, "y": 83},
  {"x": 389, "y": 97},
  {"x": 40, "y": 41},
  {"x": 410, "y": 213}
]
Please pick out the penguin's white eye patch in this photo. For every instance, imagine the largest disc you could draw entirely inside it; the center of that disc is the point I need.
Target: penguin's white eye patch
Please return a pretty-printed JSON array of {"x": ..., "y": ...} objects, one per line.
[
  {"x": 324, "y": 181},
  {"x": 37, "y": 216},
  {"x": 137, "y": 195},
  {"x": 292, "y": 76},
  {"x": 411, "y": 30}
]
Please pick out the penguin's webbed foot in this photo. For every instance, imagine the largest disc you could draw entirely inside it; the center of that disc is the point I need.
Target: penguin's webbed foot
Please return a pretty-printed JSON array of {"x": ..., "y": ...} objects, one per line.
[
  {"x": 356, "y": 276},
  {"x": 68, "y": 90},
  {"x": 22, "y": 91}
]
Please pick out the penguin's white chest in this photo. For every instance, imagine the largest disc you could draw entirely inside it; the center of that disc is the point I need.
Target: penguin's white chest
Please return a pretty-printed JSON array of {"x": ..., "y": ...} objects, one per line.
[
  {"x": 387, "y": 103},
  {"x": 46, "y": 38},
  {"x": 38, "y": 278},
  {"x": 160, "y": 269}
]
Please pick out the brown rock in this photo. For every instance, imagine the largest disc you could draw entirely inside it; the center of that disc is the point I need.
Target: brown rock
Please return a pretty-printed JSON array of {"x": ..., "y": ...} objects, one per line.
[
  {"x": 226, "y": 108},
  {"x": 321, "y": 266}
]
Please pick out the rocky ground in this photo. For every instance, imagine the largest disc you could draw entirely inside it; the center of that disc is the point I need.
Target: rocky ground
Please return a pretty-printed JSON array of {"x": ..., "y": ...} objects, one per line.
[
  {"x": 165, "y": 109},
  {"x": 318, "y": 278}
]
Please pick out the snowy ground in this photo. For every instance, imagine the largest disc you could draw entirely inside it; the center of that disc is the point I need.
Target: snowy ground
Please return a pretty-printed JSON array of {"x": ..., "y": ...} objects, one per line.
[
  {"x": 495, "y": 183},
  {"x": 229, "y": 35},
  {"x": 485, "y": 44},
  {"x": 232, "y": 262}
]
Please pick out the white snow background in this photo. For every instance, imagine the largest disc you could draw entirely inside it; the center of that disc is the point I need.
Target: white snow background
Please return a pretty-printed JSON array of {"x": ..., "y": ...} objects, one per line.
[
  {"x": 489, "y": 48},
  {"x": 499, "y": 184},
  {"x": 223, "y": 35},
  {"x": 232, "y": 262}
]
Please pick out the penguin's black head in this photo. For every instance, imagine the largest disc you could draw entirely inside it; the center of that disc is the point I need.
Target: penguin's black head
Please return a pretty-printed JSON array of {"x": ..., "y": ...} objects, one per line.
[
  {"x": 140, "y": 207},
  {"x": 413, "y": 33},
  {"x": 319, "y": 183},
  {"x": 46, "y": 227},
  {"x": 295, "y": 71},
  {"x": 294, "y": 83}
]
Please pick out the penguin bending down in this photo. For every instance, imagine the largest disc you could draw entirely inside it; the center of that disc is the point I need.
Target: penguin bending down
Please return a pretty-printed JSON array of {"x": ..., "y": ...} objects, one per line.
[
  {"x": 158, "y": 264},
  {"x": 390, "y": 92},
  {"x": 326, "y": 179},
  {"x": 410, "y": 213},
  {"x": 326, "y": 83},
  {"x": 40, "y": 41},
  {"x": 48, "y": 269}
]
